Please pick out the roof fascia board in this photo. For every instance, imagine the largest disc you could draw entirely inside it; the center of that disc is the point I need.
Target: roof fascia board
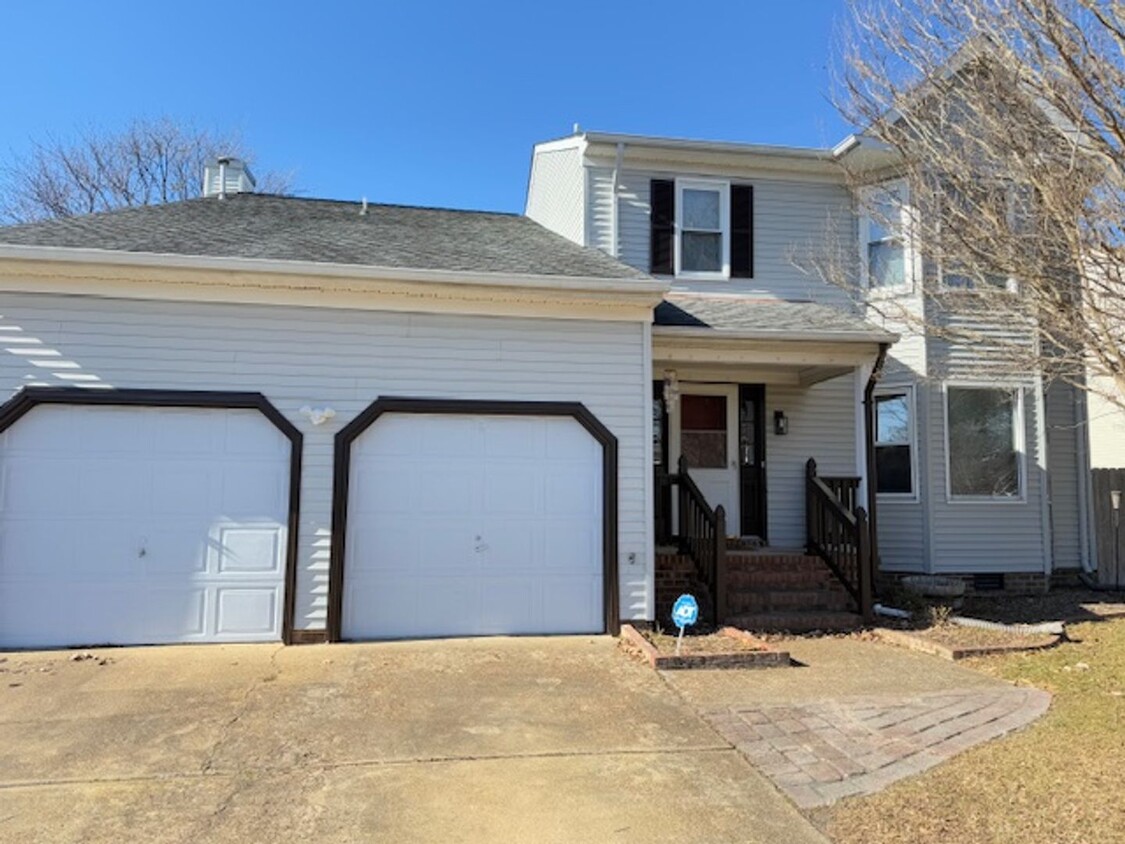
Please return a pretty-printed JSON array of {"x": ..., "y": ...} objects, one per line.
[
  {"x": 511, "y": 281},
  {"x": 737, "y": 336}
]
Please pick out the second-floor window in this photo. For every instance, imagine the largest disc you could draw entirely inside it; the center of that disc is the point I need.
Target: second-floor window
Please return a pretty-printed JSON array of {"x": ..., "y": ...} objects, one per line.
[
  {"x": 883, "y": 233},
  {"x": 701, "y": 229}
]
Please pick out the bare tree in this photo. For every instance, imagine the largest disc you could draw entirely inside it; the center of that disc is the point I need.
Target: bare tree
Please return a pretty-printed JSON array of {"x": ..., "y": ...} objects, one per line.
[
  {"x": 1006, "y": 118},
  {"x": 149, "y": 162}
]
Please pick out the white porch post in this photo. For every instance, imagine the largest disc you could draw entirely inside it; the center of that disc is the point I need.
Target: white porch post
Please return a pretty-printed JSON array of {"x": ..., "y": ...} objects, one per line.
[{"x": 862, "y": 374}]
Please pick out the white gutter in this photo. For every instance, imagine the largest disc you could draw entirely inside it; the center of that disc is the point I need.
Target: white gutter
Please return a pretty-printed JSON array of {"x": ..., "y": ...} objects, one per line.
[
  {"x": 692, "y": 333},
  {"x": 107, "y": 257},
  {"x": 809, "y": 153}
]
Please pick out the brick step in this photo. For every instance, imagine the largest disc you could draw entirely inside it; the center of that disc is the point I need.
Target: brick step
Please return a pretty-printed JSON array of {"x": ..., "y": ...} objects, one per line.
[
  {"x": 744, "y": 543},
  {"x": 758, "y": 561},
  {"x": 756, "y": 604},
  {"x": 795, "y": 622},
  {"x": 790, "y": 598},
  {"x": 758, "y": 580}
]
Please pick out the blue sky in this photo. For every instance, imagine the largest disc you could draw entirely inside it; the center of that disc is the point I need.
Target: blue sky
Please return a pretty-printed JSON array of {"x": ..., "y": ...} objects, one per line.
[{"x": 419, "y": 101}]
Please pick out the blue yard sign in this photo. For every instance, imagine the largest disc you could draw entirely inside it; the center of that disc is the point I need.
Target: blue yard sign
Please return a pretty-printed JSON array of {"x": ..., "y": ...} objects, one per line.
[{"x": 685, "y": 612}]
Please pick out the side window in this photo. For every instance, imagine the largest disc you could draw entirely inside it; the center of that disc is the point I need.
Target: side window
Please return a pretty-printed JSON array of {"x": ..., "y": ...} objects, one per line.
[
  {"x": 701, "y": 228},
  {"x": 894, "y": 442},
  {"x": 983, "y": 426}
]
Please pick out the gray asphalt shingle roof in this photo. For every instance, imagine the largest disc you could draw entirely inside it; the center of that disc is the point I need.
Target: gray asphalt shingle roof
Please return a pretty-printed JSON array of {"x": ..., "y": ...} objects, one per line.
[
  {"x": 327, "y": 231},
  {"x": 765, "y": 316}
]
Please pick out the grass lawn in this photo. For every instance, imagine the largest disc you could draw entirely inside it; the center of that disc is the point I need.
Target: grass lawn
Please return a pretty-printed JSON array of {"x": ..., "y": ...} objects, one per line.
[{"x": 1061, "y": 780}]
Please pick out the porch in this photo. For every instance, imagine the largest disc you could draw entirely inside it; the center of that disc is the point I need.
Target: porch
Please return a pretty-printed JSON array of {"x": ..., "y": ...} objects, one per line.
[{"x": 762, "y": 445}]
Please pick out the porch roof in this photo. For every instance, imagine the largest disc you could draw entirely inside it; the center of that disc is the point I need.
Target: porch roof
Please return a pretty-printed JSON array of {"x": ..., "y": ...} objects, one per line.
[
  {"x": 716, "y": 337},
  {"x": 763, "y": 319}
]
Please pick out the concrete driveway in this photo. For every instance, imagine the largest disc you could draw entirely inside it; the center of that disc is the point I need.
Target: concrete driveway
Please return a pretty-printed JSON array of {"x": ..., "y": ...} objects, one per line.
[{"x": 537, "y": 740}]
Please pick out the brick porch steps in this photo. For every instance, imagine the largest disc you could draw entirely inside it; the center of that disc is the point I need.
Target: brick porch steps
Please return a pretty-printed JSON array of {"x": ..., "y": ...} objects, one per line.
[{"x": 796, "y": 622}]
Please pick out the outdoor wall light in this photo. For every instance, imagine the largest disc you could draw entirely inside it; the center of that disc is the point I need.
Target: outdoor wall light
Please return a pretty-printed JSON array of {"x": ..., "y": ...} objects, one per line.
[
  {"x": 317, "y": 415},
  {"x": 780, "y": 423}
]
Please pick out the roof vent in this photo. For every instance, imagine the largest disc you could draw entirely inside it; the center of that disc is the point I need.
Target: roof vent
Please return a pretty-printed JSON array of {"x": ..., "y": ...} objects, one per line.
[{"x": 226, "y": 175}]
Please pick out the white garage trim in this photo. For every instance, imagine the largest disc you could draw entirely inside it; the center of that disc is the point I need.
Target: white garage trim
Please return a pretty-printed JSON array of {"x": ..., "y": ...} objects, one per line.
[
  {"x": 574, "y": 410},
  {"x": 30, "y": 397}
]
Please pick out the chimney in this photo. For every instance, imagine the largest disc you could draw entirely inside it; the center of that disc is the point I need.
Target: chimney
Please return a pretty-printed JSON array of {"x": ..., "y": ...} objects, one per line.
[{"x": 226, "y": 175}]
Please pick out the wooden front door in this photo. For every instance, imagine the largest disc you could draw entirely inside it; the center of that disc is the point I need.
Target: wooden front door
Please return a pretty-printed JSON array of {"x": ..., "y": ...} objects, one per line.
[{"x": 752, "y": 459}]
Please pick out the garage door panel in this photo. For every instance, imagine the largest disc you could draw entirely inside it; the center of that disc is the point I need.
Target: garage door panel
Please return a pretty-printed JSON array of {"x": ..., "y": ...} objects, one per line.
[
  {"x": 140, "y": 519},
  {"x": 172, "y": 614},
  {"x": 513, "y": 489},
  {"x": 473, "y": 552},
  {"x": 572, "y": 491},
  {"x": 179, "y": 485},
  {"x": 249, "y": 550},
  {"x": 255, "y": 493},
  {"x": 246, "y": 612},
  {"x": 111, "y": 486},
  {"x": 515, "y": 438}
]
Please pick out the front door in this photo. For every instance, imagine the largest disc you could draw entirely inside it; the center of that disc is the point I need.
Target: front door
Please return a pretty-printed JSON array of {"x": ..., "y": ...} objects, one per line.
[{"x": 705, "y": 433}]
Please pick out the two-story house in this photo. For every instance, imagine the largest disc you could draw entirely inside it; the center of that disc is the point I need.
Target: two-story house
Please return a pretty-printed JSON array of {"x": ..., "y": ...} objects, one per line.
[{"x": 761, "y": 363}]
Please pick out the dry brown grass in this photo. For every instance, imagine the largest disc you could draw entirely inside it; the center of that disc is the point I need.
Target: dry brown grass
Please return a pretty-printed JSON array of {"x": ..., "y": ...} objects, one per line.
[{"x": 1060, "y": 781}]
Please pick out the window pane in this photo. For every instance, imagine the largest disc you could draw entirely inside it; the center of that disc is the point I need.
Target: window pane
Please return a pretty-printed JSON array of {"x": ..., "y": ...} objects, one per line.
[
  {"x": 701, "y": 252},
  {"x": 703, "y": 413},
  {"x": 892, "y": 419},
  {"x": 701, "y": 210},
  {"x": 704, "y": 449},
  {"x": 886, "y": 263},
  {"x": 982, "y": 452},
  {"x": 892, "y": 469}
]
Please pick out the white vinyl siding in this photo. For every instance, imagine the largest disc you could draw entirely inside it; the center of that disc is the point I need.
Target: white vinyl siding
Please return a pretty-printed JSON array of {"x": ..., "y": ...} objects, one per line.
[
  {"x": 1107, "y": 427},
  {"x": 556, "y": 195},
  {"x": 345, "y": 359},
  {"x": 821, "y": 426},
  {"x": 793, "y": 222}
]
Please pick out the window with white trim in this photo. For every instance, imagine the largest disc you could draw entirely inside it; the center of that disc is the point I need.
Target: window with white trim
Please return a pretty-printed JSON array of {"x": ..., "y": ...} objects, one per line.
[
  {"x": 703, "y": 228},
  {"x": 884, "y": 237},
  {"x": 984, "y": 426},
  {"x": 894, "y": 442}
]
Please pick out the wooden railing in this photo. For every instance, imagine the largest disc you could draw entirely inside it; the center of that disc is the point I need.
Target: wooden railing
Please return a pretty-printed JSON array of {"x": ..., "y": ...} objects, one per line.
[
  {"x": 840, "y": 535},
  {"x": 699, "y": 531}
]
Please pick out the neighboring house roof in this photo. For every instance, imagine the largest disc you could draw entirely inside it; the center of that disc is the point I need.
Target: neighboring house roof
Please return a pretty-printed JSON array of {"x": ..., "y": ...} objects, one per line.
[
  {"x": 765, "y": 318},
  {"x": 264, "y": 226}
]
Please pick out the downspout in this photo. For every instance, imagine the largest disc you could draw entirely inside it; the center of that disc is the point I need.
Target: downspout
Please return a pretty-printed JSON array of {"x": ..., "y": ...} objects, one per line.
[
  {"x": 614, "y": 224},
  {"x": 869, "y": 436},
  {"x": 1085, "y": 485}
]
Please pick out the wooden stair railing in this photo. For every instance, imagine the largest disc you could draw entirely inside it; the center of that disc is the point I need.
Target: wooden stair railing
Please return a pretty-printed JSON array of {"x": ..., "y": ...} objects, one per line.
[
  {"x": 840, "y": 535},
  {"x": 700, "y": 534}
]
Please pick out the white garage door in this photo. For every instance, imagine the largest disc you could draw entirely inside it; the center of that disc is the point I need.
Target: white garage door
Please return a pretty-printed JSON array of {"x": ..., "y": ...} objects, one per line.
[
  {"x": 126, "y": 525},
  {"x": 473, "y": 525}
]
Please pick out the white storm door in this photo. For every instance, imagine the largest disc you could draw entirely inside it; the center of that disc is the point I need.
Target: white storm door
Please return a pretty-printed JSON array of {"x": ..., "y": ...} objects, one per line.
[
  {"x": 469, "y": 525},
  {"x": 705, "y": 432}
]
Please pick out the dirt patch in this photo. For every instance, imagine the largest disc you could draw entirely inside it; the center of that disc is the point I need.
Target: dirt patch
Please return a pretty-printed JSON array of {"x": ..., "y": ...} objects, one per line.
[
  {"x": 1056, "y": 605},
  {"x": 955, "y": 642},
  {"x": 708, "y": 643},
  {"x": 724, "y": 648}
]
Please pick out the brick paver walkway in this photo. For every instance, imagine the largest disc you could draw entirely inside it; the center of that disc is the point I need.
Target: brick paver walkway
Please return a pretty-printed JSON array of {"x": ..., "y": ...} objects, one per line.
[{"x": 819, "y": 752}]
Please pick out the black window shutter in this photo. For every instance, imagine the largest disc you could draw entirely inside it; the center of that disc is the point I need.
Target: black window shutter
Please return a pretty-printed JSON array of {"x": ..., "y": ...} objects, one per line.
[
  {"x": 741, "y": 231},
  {"x": 662, "y": 197}
]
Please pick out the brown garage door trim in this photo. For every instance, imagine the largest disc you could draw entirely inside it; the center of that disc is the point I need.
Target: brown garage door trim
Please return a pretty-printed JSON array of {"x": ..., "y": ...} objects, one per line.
[
  {"x": 574, "y": 410},
  {"x": 30, "y": 397}
]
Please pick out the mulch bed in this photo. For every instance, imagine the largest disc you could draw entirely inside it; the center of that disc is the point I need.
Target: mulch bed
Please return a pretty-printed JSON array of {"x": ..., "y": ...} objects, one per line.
[
  {"x": 1056, "y": 605},
  {"x": 954, "y": 642},
  {"x": 723, "y": 648}
]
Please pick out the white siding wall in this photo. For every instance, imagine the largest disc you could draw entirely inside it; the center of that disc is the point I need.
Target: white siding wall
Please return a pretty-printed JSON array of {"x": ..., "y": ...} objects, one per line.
[
  {"x": 345, "y": 359},
  {"x": 1065, "y": 475},
  {"x": 556, "y": 192},
  {"x": 795, "y": 222},
  {"x": 821, "y": 426}
]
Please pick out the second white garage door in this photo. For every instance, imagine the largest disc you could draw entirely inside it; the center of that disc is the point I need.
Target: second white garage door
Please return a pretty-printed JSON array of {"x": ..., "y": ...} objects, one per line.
[{"x": 466, "y": 525}]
